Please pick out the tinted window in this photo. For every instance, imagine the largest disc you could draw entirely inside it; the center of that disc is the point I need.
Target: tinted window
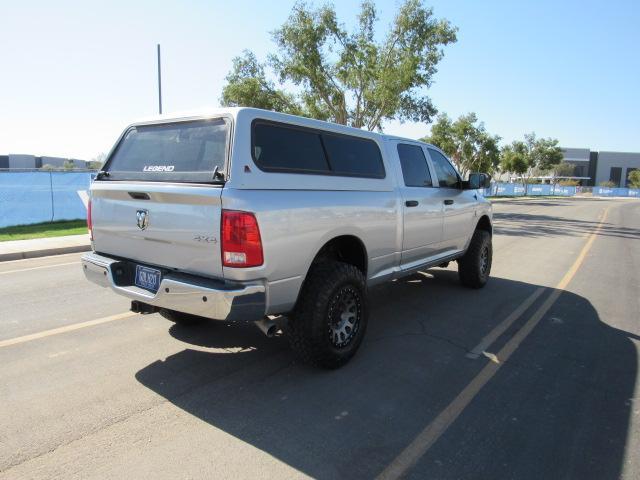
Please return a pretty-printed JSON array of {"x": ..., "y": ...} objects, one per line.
[
  {"x": 414, "y": 166},
  {"x": 616, "y": 175},
  {"x": 291, "y": 149},
  {"x": 447, "y": 176},
  {"x": 353, "y": 156},
  {"x": 182, "y": 151}
]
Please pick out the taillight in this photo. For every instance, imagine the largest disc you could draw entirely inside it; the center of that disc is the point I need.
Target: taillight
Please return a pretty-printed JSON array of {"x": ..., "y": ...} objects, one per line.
[
  {"x": 241, "y": 244},
  {"x": 89, "y": 222}
]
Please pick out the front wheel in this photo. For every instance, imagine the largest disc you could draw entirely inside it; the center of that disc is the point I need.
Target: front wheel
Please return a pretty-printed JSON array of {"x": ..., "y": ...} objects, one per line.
[
  {"x": 474, "y": 266},
  {"x": 330, "y": 318}
]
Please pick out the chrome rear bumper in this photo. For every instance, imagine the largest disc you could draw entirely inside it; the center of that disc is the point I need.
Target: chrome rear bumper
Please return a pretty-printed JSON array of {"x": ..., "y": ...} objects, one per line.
[{"x": 215, "y": 299}]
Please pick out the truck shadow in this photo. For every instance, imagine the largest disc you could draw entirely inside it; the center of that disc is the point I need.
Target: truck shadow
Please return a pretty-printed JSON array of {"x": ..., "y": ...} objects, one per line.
[
  {"x": 558, "y": 408},
  {"x": 534, "y": 225}
]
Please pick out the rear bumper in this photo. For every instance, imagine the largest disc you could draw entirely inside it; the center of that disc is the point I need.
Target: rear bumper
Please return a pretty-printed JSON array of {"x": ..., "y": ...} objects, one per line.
[{"x": 215, "y": 299}]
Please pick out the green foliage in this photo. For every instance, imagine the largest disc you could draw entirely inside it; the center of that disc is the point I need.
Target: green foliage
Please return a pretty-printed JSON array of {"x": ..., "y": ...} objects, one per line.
[
  {"x": 634, "y": 179},
  {"x": 347, "y": 77},
  {"x": 93, "y": 165},
  {"x": 247, "y": 85},
  {"x": 564, "y": 169},
  {"x": 514, "y": 158},
  {"x": 568, "y": 183},
  {"x": 68, "y": 165},
  {"x": 532, "y": 154},
  {"x": 42, "y": 230},
  {"x": 97, "y": 162},
  {"x": 607, "y": 183},
  {"x": 47, "y": 167},
  {"x": 467, "y": 143}
]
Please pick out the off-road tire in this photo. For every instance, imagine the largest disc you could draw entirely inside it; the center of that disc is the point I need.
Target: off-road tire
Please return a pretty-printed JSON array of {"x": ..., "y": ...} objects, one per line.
[
  {"x": 181, "y": 318},
  {"x": 475, "y": 266},
  {"x": 309, "y": 328}
]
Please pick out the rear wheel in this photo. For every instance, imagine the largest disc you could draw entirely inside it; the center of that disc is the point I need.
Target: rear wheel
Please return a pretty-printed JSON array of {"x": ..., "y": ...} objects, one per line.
[
  {"x": 330, "y": 318},
  {"x": 180, "y": 318},
  {"x": 475, "y": 266}
]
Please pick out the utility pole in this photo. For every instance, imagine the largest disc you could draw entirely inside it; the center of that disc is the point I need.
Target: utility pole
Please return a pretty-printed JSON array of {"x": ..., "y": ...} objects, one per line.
[{"x": 159, "y": 84}]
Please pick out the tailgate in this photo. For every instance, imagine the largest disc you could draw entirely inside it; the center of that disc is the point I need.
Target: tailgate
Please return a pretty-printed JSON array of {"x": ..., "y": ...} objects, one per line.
[{"x": 167, "y": 225}]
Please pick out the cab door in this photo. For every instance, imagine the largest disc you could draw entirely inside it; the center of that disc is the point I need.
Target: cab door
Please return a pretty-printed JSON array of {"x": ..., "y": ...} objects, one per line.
[
  {"x": 459, "y": 205},
  {"x": 422, "y": 211}
]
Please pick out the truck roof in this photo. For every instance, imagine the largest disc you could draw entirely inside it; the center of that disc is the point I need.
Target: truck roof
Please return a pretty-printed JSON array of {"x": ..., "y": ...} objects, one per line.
[{"x": 271, "y": 115}]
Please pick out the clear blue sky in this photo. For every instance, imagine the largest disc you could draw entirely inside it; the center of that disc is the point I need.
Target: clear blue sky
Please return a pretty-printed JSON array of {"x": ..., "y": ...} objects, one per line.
[{"x": 73, "y": 74}]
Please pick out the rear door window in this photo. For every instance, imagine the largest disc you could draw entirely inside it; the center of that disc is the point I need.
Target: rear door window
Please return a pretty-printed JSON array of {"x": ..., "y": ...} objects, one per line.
[
  {"x": 181, "y": 151},
  {"x": 414, "y": 166}
]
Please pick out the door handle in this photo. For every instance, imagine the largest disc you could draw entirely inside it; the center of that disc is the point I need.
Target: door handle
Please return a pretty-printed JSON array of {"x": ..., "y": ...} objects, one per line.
[
  {"x": 411, "y": 203},
  {"x": 448, "y": 202}
]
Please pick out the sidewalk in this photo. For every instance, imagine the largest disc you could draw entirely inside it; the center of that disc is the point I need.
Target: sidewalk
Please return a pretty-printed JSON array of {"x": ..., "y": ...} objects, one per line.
[{"x": 42, "y": 247}]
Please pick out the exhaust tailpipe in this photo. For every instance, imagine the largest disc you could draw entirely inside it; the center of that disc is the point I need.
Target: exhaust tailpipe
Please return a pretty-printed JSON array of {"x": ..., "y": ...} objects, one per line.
[
  {"x": 267, "y": 326},
  {"x": 143, "y": 308}
]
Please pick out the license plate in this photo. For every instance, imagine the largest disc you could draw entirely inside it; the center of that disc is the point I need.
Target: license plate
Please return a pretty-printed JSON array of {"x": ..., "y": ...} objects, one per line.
[{"x": 147, "y": 278}]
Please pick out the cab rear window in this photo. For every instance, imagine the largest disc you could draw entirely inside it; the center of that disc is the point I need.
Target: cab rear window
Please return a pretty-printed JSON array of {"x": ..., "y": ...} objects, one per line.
[{"x": 181, "y": 151}]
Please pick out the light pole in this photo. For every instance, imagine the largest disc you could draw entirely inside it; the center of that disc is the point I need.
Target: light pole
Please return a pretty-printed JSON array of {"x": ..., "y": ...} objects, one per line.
[{"x": 159, "y": 84}]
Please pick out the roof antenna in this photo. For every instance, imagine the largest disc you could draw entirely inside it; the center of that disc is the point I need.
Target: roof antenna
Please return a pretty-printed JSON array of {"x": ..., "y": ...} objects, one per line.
[{"x": 159, "y": 84}]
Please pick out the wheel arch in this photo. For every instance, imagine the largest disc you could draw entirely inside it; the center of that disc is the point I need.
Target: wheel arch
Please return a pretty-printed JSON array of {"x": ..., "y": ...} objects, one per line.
[
  {"x": 484, "y": 223},
  {"x": 346, "y": 247}
]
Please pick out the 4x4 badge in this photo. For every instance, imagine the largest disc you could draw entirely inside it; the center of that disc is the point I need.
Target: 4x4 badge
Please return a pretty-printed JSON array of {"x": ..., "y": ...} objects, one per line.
[{"x": 143, "y": 219}]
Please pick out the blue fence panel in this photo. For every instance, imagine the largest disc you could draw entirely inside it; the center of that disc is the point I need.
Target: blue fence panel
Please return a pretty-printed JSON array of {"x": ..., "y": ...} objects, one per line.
[
  {"x": 509, "y": 189},
  {"x": 35, "y": 197},
  {"x": 67, "y": 204},
  {"x": 539, "y": 189},
  {"x": 25, "y": 197},
  {"x": 564, "y": 191},
  {"x": 615, "y": 192},
  {"x": 602, "y": 191}
]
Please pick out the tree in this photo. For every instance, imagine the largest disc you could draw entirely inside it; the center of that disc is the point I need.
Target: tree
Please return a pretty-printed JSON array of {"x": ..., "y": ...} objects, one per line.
[
  {"x": 564, "y": 169},
  {"x": 634, "y": 179},
  {"x": 544, "y": 153},
  {"x": 347, "y": 77},
  {"x": 69, "y": 165},
  {"x": 247, "y": 85},
  {"x": 97, "y": 162},
  {"x": 467, "y": 143},
  {"x": 514, "y": 158},
  {"x": 538, "y": 154}
]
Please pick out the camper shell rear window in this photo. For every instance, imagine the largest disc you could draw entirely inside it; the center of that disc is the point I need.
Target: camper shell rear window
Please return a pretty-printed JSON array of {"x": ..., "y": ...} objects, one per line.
[{"x": 189, "y": 151}]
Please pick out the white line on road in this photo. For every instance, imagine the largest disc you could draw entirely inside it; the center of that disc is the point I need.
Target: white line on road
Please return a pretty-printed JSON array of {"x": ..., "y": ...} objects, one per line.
[
  {"x": 41, "y": 266},
  {"x": 65, "y": 329}
]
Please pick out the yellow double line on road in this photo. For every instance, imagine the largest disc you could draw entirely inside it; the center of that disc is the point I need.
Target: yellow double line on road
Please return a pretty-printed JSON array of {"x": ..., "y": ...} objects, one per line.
[{"x": 432, "y": 432}]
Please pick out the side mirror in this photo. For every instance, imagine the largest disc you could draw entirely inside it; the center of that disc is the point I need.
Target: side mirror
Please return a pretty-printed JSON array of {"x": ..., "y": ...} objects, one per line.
[{"x": 477, "y": 181}]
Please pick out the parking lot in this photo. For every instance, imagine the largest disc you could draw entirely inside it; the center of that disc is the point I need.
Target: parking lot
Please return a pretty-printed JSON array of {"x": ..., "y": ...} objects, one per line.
[{"x": 534, "y": 376}]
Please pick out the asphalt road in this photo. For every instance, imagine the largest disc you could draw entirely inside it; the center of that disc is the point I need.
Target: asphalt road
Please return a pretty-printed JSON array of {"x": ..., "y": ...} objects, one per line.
[{"x": 535, "y": 376}]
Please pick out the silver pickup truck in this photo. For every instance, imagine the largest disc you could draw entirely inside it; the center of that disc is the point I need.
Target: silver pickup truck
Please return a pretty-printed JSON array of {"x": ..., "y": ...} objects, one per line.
[{"x": 244, "y": 215}]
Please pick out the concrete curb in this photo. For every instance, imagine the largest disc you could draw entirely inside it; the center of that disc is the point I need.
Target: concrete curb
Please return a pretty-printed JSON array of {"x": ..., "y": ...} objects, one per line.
[{"x": 5, "y": 257}]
